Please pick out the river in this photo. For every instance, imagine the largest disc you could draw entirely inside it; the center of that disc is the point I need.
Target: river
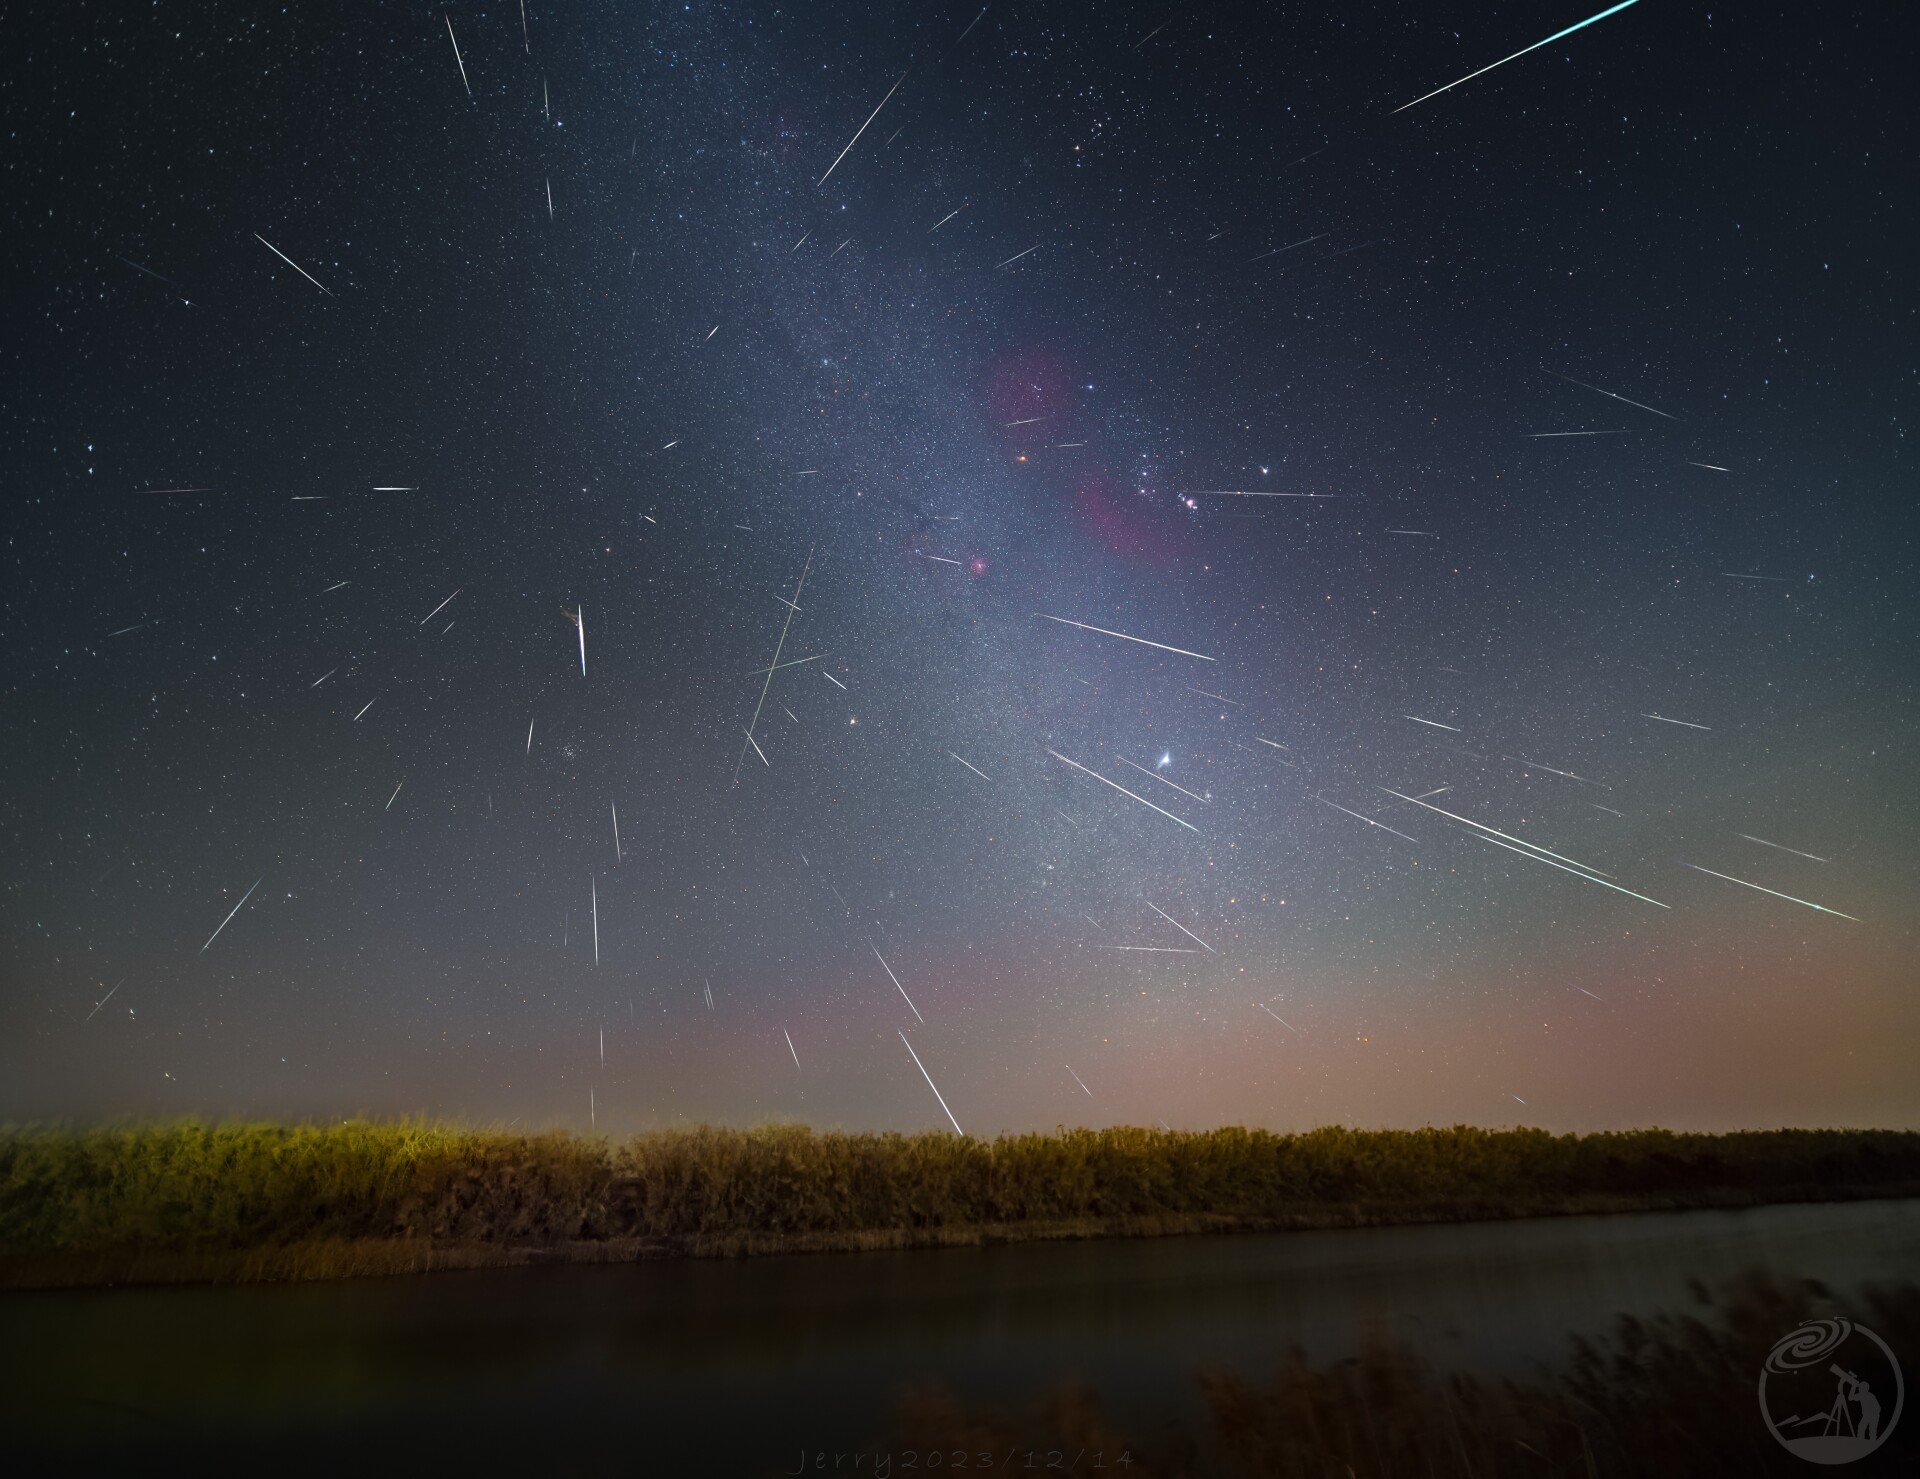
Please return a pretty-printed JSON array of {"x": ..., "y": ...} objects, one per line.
[{"x": 736, "y": 1368}]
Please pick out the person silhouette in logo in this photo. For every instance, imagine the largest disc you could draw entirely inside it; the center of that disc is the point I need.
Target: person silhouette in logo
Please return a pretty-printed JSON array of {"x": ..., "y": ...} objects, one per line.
[{"x": 1860, "y": 1393}]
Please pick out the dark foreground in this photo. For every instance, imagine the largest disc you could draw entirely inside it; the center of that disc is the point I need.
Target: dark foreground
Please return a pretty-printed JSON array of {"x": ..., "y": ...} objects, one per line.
[
  {"x": 189, "y": 1202},
  {"x": 1427, "y": 1350}
]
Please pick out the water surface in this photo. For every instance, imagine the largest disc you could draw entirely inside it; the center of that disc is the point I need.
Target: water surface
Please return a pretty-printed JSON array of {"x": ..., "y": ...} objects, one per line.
[{"x": 734, "y": 1368}]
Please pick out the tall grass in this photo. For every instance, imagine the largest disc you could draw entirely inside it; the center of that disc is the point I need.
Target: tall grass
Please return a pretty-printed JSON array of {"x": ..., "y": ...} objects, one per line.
[{"x": 228, "y": 1189}]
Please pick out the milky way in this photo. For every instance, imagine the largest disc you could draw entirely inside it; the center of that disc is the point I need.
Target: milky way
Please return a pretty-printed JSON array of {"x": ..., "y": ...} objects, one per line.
[{"x": 875, "y": 451}]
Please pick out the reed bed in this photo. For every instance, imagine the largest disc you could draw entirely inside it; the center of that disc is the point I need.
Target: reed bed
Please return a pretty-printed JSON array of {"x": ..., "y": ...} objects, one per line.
[{"x": 196, "y": 1201}]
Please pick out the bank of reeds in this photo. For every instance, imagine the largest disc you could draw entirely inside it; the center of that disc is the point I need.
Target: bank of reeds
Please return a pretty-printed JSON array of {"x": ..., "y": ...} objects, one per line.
[
  {"x": 1670, "y": 1397},
  {"x": 196, "y": 1201}
]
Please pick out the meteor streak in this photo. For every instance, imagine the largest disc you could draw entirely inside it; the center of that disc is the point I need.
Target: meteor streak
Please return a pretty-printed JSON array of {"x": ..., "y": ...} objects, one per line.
[
  {"x": 831, "y": 679},
  {"x": 438, "y": 609},
  {"x": 1681, "y": 722},
  {"x": 369, "y": 704},
  {"x": 1076, "y": 1077},
  {"x": 936, "y": 1092},
  {"x": 790, "y": 1048},
  {"x": 1124, "y": 791},
  {"x": 1535, "y": 436},
  {"x": 758, "y": 751},
  {"x": 893, "y": 978},
  {"x": 1577, "y": 873},
  {"x": 1775, "y": 892},
  {"x": 857, "y": 132},
  {"x": 798, "y": 662},
  {"x": 784, "y": 628},
  {"x": 1249, "y": 493},
  {"x": 594, "y": 884},
  {"x": 1181, "y": 927},
  {"x": 1520, "y": 53},
  {"x": 1776, "y": 579},
  {"x": 1154, "y": 949},
  {"x": 236, "y": 909},
  {"x": 1016, "y": 257},
  {"x": 1608, "y": 393},
  {"x": 1434, "y": 723},
  {"x": 952, "y": 213},
  {"x": 107, "y": 998},
  {"x": 1162, "y": 779},
  {"x": 391, "y": 799},
  {"x": 1478, "y": 828},
  {"x": 1278, "y": 250},
  {"x": 456, "y": 53},
  {"x": 1368, "y": 820},
  {"x": 297, "y": 268},
  {"x": 1709, "y": 466},
  {"x": 1796, "y": 852},
  {"x": 1280, "y": 1019},
  {"x": 1123, "y": 636},
  {"x": 614, "y": 808},
  {"x": 975, "y": 769},
  {"x": 136, "y": 627},
  {"x": 529, "y": 736}
]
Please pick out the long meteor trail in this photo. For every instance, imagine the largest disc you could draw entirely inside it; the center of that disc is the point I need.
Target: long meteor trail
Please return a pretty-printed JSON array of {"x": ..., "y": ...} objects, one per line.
[
  {"x": 1278, "y": 250},
  {"x": 236, "y": 909},
  {"x": 1610, "y": 10},
  {"x": 1181, "y": 927},
  {"x": 1609, "y": 394},
  {"x": 785, "y": 627},
  {"x": 1123, "y": 636},
  {"x": 936, "y": 1091},
  {"x": 296, "y": 267},
  {"x": 895, "y": 979},
  {"x": 1775, "y": 892},
  {"x": 1794, "y": 850},
  {"x": 857, "y": 132},
  {"x": 456, "y": 53},
  {"x": 1162, "y": 779},
  {"x": 1533, "y": 847},
  {"x": 1368, "y": 820},
  {"x": 974, "y": 768},
  {"x": 1681, "y": 722},
  {"x": 1124, "y": 791},
  {"x": 1577, "y": 873}
]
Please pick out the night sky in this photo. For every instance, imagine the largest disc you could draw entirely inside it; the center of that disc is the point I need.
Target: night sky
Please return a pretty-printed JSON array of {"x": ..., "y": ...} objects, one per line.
[{"x": 1574, "y": 395}]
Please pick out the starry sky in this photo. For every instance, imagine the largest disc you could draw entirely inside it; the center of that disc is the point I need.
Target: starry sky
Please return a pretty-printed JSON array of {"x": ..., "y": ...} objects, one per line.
[{"x": 1539, "y": 451}]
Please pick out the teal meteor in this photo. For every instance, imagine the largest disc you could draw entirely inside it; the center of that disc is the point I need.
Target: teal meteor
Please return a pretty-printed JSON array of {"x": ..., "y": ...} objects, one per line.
[{"x": 1520, "y": 53}]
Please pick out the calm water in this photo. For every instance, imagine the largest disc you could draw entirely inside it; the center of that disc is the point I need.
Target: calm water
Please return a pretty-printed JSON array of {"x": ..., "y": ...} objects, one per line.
[{"x": 734, "y": 1368}]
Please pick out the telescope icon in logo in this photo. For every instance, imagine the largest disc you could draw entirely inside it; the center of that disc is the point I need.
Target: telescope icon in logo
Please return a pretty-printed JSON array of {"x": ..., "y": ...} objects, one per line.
[{"x": 1830, "y": 1411}]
